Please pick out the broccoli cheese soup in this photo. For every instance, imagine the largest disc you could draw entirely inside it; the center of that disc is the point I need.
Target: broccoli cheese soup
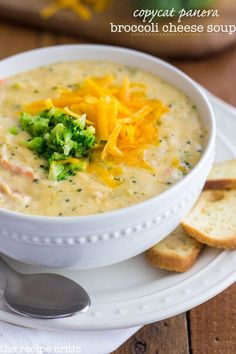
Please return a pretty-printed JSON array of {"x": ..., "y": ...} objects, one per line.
[{"x": 80, "y": 138}]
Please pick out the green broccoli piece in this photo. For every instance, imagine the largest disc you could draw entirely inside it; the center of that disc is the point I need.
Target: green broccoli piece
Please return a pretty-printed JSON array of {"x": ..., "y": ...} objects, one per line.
[
  {"x": 36, "y": 144},
  {"x": 13, "y": 130},
  {"x": 84, "y": 141},
  {"x": 59, "y": 171},
  {"x": 57, "y": 136},
  {"x": 59, "y": 139},
  {"x": 34, "y": 125},
  {"x": 56, "y": 156}
]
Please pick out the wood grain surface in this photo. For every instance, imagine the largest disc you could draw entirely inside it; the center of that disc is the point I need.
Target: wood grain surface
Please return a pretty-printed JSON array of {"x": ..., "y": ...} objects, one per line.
[
  {"x": 211, "y": 327},
  {"x": 191, "y": 44}
]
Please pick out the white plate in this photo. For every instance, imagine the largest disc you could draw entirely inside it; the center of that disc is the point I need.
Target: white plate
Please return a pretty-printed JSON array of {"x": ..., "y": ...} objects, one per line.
[{"x": 133, "y": 293}]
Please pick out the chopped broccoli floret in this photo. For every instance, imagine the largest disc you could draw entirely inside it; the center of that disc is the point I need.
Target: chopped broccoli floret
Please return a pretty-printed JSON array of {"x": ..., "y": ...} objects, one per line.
[
  {"x": 57, "y": 136},
  {"x": 13, "y": 130},
  {"x": 36, "y": 144},
  {"x": 34, "y": 125},
  {"x": 60, "y": 171}
]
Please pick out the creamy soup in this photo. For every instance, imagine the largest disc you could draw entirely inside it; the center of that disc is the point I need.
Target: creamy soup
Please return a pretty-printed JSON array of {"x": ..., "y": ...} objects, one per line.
[{"x": 25, "y": 185}]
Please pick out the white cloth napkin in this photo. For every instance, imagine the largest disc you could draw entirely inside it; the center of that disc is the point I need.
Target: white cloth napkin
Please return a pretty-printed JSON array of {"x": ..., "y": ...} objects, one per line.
[{"x": 20, "y": 340}]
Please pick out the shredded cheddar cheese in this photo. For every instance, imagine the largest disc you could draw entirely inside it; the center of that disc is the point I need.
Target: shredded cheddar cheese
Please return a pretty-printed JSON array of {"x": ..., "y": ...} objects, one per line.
[
  {"x": 176, "y": 163},
  {"x": 48, "y": 103},
  {"x": 124, "y": 117},
  {"x": 82, "y": 8},
  {"x": 75, "y": 115}
]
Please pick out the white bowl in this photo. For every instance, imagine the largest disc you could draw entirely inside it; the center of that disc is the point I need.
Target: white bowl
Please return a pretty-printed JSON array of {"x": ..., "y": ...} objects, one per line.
[{"x": 99, "y": 240}]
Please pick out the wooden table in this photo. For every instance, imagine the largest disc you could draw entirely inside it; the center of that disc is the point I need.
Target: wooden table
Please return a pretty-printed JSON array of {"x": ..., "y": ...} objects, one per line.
[{"x": 211, "y": 327}]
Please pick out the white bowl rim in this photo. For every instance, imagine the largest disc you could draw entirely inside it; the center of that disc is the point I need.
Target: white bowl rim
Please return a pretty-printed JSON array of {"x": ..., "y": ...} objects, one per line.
[{"x": 119, "y": 212}]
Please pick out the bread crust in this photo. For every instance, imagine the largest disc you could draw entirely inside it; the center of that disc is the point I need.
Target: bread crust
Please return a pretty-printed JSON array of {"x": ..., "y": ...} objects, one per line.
[
  {"x": 220, "y": 184},
  {"x": 229, "y": 243},
  {"x": 173, "y": 263},
  {"x": 224, "y": 180}
]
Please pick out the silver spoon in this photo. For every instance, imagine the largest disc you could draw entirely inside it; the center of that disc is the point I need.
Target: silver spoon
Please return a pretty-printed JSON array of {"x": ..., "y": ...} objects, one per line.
[{"x": 42, "y": 295}]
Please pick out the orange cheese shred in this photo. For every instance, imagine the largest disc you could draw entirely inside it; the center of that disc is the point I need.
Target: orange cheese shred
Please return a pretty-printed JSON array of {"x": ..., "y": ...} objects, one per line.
[{"x": 111, "y": 145}]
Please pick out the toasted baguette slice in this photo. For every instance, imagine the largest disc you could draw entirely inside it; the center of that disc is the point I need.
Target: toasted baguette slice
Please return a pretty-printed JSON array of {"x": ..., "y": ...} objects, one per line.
[
  {"x": 213, "y": 219},
  {"x": 222, "y": 176},
  {"x": 177, "y": 252}
]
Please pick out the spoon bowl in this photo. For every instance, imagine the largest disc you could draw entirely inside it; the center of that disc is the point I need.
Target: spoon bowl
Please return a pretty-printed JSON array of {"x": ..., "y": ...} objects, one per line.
[{"x": 43, "y": 295}]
